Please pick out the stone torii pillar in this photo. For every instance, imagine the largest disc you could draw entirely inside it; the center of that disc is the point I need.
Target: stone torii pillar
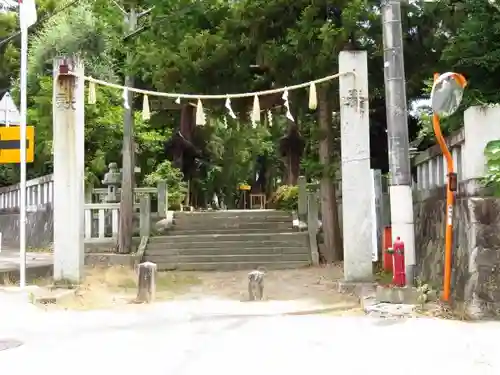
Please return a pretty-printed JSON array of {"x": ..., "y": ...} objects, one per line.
[
  {"x": 69, "y": 169},
  {"x": 357, "y": 198}
]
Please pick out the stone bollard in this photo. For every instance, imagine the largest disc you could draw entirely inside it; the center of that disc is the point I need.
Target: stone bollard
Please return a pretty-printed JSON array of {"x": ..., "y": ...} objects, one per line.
[
  {"x": 145, "y": 216},
  {"x": 162, "y": 198},
  {"x": 312, "y": 225},
  {"x": 302, "y": 200},
  {"x": 146, "y": 283}
]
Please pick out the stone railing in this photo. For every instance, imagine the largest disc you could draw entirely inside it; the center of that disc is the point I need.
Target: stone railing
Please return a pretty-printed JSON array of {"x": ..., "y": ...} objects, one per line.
[
  {"x": 39, "y": 191},
  {"x": 432, "y": 167},
  {"x": 467, "y": 148},
  {"x": 159, "y": 192},
  {"x": 102, "y": 220}
]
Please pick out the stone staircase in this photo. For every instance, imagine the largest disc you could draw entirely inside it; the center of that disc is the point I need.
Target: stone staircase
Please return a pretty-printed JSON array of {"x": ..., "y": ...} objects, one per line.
[{"x": 230, "y": 240}]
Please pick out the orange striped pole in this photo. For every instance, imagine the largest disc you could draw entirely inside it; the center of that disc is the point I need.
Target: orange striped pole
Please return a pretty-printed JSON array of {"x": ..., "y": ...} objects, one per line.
[{"x": 450, "y": 196}]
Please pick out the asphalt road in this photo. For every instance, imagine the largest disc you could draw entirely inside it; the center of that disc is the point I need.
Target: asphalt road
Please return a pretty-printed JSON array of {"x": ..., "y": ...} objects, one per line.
[{"x": 194, "y": 339}]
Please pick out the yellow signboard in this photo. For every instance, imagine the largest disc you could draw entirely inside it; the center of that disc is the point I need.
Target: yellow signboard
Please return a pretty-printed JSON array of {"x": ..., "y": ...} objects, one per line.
[
  {"x": 10, "y": 144},
  {"x": 245, "y": 187}
]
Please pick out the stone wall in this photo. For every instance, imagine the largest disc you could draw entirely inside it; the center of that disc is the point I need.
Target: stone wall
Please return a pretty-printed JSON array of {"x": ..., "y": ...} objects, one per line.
[
  {"x": 476, "y": 250},
  {"x": 39, "y": 228}
]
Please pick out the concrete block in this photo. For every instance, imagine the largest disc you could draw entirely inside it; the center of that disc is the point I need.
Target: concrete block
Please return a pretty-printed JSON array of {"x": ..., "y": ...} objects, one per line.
[
  {"x": 390, "y": 310},
  {"x": 403, "y": 295},
  {"x": 110, "y": 260},
  {"x": 47, "y": 296},
  {"x": 39, "y": 295},
  {"x": 362, "y": 290}
]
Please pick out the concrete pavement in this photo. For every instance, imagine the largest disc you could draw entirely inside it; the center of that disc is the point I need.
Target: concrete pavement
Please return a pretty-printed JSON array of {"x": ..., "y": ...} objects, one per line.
[
  {"x": 9, "y": 259},
  {"x": 225, "y": 337},
  {"x": 37, "y": 264}
]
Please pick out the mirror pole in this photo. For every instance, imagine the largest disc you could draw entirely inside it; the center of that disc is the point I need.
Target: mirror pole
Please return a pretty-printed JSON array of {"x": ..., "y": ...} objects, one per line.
[{"x": 450, "y": 201}]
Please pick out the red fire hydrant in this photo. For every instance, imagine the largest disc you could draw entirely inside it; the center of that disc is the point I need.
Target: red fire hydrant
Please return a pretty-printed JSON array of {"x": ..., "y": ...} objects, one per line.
[{"x": 399, "y": 274}]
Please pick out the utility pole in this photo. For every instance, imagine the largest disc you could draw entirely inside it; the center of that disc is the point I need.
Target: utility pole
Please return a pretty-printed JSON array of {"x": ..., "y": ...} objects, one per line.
[
  {"x": 397, "y": 133},
  {"x": 127, "y": 194},
  {"x": 127, "y": 188}
]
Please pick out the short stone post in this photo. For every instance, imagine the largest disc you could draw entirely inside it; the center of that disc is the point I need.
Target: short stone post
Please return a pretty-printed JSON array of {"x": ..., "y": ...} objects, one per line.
[
  {"x": 357, "y": 199},
  {"x": 146, "y": 282},
  {"x": 162, "y": 198},
  {"x": 69, "y": 169},
  {"x": 302, "y": 200},
  {"x": 312, "y": 225},
  {"x": 145, "y": 216}
]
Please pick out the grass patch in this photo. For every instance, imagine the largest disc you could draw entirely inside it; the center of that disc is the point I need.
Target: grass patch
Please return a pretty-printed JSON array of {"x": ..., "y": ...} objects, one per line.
[
  {"x": 383, "y": 277},
  {"x": 106, "y": 287},
  {"x": 173, "y": 281}
]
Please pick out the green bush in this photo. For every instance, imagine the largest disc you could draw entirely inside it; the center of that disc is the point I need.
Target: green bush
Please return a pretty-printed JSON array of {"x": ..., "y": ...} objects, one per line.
[
  {"x": 492, "y": 155},
  {"x": 177, "y": 188},
  {"x": 286, "y": 198}
]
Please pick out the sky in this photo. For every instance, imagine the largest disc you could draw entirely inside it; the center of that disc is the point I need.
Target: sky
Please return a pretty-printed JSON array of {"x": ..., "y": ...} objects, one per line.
[{"x": 7, "y": 3}]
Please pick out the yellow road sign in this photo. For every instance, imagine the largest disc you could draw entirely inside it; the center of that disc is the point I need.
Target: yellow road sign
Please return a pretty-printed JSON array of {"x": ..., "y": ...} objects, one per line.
[{"x": 10, "y": 144}]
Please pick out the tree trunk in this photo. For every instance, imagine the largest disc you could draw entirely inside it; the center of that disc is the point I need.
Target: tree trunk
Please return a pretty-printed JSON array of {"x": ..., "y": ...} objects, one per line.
[{"x": 329, "y": 209}]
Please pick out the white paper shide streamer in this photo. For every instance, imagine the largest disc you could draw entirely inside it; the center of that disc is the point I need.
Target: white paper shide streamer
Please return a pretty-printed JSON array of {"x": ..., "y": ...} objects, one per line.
[
  {"x": 256, "y": 109},
  {"x": 313, "y": 97},
  {"x": 287, "y": 106},
  {"x": 230, "y": 109},
  {"x": 146, "y": 113},
  {"x": 201, "y": 119}
]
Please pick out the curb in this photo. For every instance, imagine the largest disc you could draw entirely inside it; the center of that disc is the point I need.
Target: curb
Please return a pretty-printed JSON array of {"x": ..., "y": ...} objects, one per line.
[
  {"x": 323, "y": 310},
  {"x": 367, "y": 294},
  {"x": 32, "y": 273},
  {"x": 314, "y": 311}
]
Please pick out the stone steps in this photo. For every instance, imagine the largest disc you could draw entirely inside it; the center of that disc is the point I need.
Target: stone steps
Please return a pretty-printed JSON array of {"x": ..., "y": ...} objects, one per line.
[
  {"x": 232, "y": 258},
  {"x": 230, "y": 240},
  {"x": 202, "y": 218},
  {"x": 155, "y": 251},
  {"x": 222, "y": 231},
  {"x": 233, "y": 237},
  {"x": 224, "y": 245},
  {"x": 234, "y": 225},
  {"x": 231, "y": 214}
]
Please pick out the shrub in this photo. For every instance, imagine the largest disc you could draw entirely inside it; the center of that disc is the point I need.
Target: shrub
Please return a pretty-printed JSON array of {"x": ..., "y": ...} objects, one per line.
[
  {"x": 286, "y": 198},
  {"x": 176, "y": 187},
  {"x": 492, "y": 155}
]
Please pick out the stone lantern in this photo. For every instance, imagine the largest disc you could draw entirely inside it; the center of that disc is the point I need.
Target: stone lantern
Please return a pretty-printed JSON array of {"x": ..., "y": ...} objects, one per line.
[{"x": 112, "y": 180}]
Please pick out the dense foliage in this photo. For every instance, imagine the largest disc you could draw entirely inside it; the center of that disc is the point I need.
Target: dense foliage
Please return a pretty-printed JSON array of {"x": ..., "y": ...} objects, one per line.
[
  {"x": 492, "y": 154},
  {"x": 286, "y": 197},
  {"x": 208, "y": 47}
]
